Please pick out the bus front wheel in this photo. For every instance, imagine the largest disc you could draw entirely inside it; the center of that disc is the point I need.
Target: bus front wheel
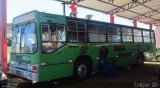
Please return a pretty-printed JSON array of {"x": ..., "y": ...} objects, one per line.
[{"x": 82, "y": 69}]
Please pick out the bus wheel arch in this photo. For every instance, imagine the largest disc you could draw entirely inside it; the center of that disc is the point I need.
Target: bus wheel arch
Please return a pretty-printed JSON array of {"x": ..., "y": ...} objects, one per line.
[
  {"x": 157, "y": 58},
  {"x": 82, "y": 67},
  {"x": 140, "y": 58}
]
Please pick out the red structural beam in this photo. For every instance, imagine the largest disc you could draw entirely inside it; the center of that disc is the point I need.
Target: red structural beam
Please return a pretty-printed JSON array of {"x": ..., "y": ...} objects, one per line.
[
  {"x": 134, "y": 23},
  {"x": 150, "y": 26},
  {"x": 73, "y": 7},
  {"x": 111, "y": 18},
  {"x": 3, "y": 42}
]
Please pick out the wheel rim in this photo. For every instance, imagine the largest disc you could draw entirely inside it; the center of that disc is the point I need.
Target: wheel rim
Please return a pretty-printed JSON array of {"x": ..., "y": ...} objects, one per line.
[{"x": 82, "y": 70}]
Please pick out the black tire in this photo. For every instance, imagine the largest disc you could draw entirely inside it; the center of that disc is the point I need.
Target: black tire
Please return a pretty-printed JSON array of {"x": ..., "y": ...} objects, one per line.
[
  {"x": 140, "y": 59},
  {"x": 158, "y": 57},
  {"x": 82, "y": 69}
]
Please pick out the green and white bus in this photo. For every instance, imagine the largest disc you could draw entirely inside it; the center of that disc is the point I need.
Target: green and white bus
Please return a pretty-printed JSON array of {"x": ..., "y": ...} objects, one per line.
[{"x": 48, "y": 46}]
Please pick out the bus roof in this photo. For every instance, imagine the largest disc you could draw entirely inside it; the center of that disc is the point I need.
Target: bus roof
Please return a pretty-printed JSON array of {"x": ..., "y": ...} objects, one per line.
[{"x": 32, "y": 15}]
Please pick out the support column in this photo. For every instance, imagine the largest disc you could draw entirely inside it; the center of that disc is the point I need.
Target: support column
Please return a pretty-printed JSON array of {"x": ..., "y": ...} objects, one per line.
[
  {"x": 111, "y": 18},
  {"x": 150, "y": 26},
  {"x": 3, "y": 42},
  {"x": 73, "y": 9},
  {"x": 134, "y": 23},
  {"x": 64, "y": 9}
]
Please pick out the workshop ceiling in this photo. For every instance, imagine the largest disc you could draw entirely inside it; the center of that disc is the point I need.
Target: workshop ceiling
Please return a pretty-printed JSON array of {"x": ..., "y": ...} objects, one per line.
[{"x": 146, "y": 11}]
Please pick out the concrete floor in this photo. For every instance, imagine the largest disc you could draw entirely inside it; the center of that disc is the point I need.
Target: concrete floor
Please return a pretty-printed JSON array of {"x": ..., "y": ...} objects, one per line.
[{"x": 139, "y": 77}]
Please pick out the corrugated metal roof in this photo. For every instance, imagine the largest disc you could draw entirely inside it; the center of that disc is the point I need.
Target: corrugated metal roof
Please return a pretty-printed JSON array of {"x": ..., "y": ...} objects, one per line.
[{"x": 146, "y": 11}]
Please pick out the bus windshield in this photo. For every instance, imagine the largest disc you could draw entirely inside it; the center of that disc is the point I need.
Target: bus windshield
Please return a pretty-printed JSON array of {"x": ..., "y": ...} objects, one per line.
[{"x": 24, "y": 38}]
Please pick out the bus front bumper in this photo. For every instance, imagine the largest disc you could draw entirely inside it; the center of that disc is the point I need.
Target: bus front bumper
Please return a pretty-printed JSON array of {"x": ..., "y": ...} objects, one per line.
[{"x": 24, "y": 74}]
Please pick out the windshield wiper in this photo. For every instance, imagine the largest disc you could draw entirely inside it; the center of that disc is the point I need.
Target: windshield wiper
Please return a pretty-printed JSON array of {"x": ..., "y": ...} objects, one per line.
[
  {"x": 21, "y": 35},
  {"x": 15, "y": 33},
  {"x": 25, "y": 29}
]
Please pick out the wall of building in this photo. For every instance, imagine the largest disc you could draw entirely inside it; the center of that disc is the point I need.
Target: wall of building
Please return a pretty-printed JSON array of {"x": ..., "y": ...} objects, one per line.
[{"x": 157, "y": 35}]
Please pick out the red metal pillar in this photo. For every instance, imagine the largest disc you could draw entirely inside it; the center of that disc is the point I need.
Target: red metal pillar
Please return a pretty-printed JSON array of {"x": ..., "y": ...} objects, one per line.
[
  {"x": 134, "y": 23},
  {"x": 73, "y": 8},
  {"x": 150, "y": 26},
  {"x": 3, "y": 42},
  {"x": 111, "y": 18}
]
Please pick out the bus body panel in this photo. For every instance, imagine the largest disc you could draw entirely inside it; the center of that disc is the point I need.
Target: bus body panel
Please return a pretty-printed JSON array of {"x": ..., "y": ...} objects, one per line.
[{"x": 60, "y": 62}]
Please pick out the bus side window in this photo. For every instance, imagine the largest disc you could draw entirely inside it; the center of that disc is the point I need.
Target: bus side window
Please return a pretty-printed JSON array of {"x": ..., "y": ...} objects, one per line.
[
  {"x": 47, "y": 45},
  {"x": 53, "y": 37},
  {"x": 61, "y": 35},
  {"x": 114, "y": 34},
  {"x": 71, "y": 32},
  {"x": 92, "y": 33},
  {"x": 52, "y": 28},
  {"x": 152, "y": 37},
  {"x": 81, "y": 31},
  {"x": 96, "y": 32},
  {"x": 127, "y": 34},
  {"x": 101, "y": 30},
  {"x": 137, "y": 35},
  {"x": 76, "y": 31},
  {"x": 146, "y": 36},
  {"x": 45, "y": 33}
]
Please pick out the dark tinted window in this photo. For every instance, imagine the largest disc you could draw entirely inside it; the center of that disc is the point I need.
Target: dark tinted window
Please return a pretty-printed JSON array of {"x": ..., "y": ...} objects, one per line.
[
  {"x": 113, "y": 33},
  {"x": 96, "y": 32},
  {"x": 146, "y": 36},
  {"x": 127, "y": 34},
  {"x": 137, "y": 35},
  {"x": 76, "y": 31}
]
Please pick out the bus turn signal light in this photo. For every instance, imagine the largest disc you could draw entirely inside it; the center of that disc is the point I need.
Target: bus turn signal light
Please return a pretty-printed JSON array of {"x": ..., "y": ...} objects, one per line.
[{"x": 34, "y": 67}]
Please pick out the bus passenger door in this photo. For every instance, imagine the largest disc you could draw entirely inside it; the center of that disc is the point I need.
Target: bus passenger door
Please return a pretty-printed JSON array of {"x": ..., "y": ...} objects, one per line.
[{"x": 53, "y": 40}]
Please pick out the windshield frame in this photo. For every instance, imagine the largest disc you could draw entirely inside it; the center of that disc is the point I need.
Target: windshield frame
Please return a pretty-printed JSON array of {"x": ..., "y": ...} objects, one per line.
[{"x": 36, "y": 36}]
